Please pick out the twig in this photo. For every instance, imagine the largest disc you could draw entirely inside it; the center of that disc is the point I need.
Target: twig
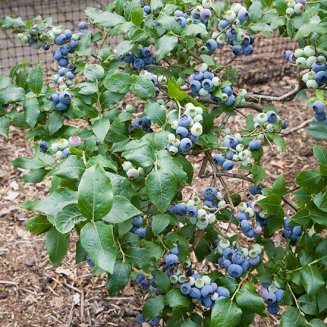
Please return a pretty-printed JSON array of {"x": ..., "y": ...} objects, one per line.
[
  {"x": 291, "y": 130},
  {"x": 8, "y": 282},
  {"x": 197, "y": 240},
  {"x": 250, "y": 105}
]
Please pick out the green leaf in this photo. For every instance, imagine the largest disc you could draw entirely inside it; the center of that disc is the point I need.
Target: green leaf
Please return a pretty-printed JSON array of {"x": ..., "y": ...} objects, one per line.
[
  {"x": 137, "y": 16},
  {"x": 121, "y": 210},
  {"x": 100, "y": 128},
  {"x": 279, "y": 141},
  {"x": 108, "y": 19},
  {"x": 208, "y": 60},
  {"x": 55, "y": 122},
  {"x": 162, "y": 280},
  {"x": 225, "y": 313},
  {"x": 292, "y": 318},
  {"x": 35, "y": 80},
  {"x": 321, "y": 252},
  {"x": 67, "y": 218},
  {"x": 95, "y": 195},
  {"x": 155, "y": 113},
  {"x": 159, "y": 223},
  {"x": 38, "y": 224},
  {"x": 12, "y": 94},
  {"x": 311, "y": 279},
  {"x": 4, "y": 126},
  {"x": 57, "y": 245},
  {"x": 174, "y": 91},
  {"x": 142, "y": 87},
  {"x": 118, "y": 83},
  {"x": 164, "y": 45},
  {"x": 302, "y": 217},
  {"x": 98, "y": 241},
  {"x": 194, "y": 30},
  {"x": 250, "y": 301},
  {"x": 119, "y": 279},
  {"x": 174, "y": 298},
  {"x": 93, "y": 72},
  {"x": 123, "y": 48},
  {"x": 161, "y": 187},
  {"x": 140, "y": 153},
  {"x": 320, "y": 153},
  {"x": 255, "y": 10},
  {"x": 308, "y": 177},
  {"x": 31, "y": 110},
  {"x": 156, "y": 4},
  {"x": 10, "y": 22},
  {"x": 270, "y": 203},
  {"x": 258, "y": 174},
  {"x": 307, "y": 29},
  {"x": 109, "y": 98},
  {"x": 320, "y": 200},
  {"x": 153, "y": 307},
  {"x": 70, "y": 168}
]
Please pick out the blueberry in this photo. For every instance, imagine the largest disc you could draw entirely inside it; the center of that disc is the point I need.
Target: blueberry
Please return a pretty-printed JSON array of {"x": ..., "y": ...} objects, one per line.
[
  {"x": 238, "y": 258},
  {"x": 255, "y": 261},
  {"x": 61, "y": 106},
  {"x": 206, "y": 290},
  {"x": 60, "y": 39},
  {"x": 271, "y": 117},
  {"x": 318, "y": 66},
  {"x": 248, "y": 50},
  {"x": 82, "y": 26},
  {"x": 228, "y": 165},
  {"x": 62, "y": 71},
  {"x": 245, "y": 265},
  {"x": 255, "y": 145},
  {"x": 89, "y": 262},
  {"x": 218, "y": 159},
  {"x": 146, "y": 52},
  {"x": 149, "y": 60},
  {"x": 241, "y": 216},
  {"x": 243, "y": 15},
  {"x": 228, "y": 90},
  {"x": 246, "y": 41},
  {"x": 65, "y": 97},
  {"x": 129, "y": 58},
  {"x": 139, "y": 319},
  {"x": 207, "y": 84},
  {"x": 279, "y": 295},
  {"x": 137, "y": 221},
  {"x": 45, "y": 46},
  {"x": 245, "y": 225},
  {"x": 273, "y": 309},
  {"x": 65, "y": 153},
  {"x": 195, "y": 85},
  {"x": 287, "y": 54},
  {"x": 285, "y": 124},
  {"x": 209, "y": 204},
  {"x": 321, "y": 77},
  {"x": 207, "y": 302},
  {"x": 223, "y": 23},
  {"x": 147, "y": 10},
  {"x": 63, "y": 62},
  {"x": 171, "y": 259},
  {"x": 178, "y": 13},
  {"x": 297, "y": 230},
  {"x": 64, "y": 51},
  {"x": 208, "y": 75},
  {"x": 226, "y": 263},
  {"x": 68, "y": 33},
  {"x": 230, "y": 101},
  {"x": 192, "y": 211},
  {"x": 185, "y": 121},
  {"x": 234, "y": 271},
  {"x": 270, "y": 298},
  {"x": 138, "y": 63},
  {"x": 321, "y": 117},
  {"x": 198, "y": 76},
  {"x": 155, "y": 321},
  {"x": 205, "y": 14},
  {"x": 70, "y": 75},
  {"x": 55, "y": 98},
  {"x": 319, "y": 107},
  {"x": 73, "y": 44},
  {"x": 175, "y": 250},
  {"x": 43, "y": 146},
  {"x": 214, "y": 287},
  {"x": 57, "y": 54},
  {"x": 141, "y": 232},
  {"x": 223, "y": 291},
  {"x": 181, "y": 21},
  {"x": 212, "y": 45},
  {"x": 210, "y": 193},
  {"x": 185, "y": 145},
  {"x": 250, "y": 233},
  {"x": 182, "y": 131},
  {"x": 255, "y": 189},
  {"x": 179, "y": 209},
  {"x": 229, "y": 155},
  {"x": 195, "y": 293},
  {"x": 237, "y": 50},
  {"x": 228, "y": 253},
  {"x": 287, "y": 234}
]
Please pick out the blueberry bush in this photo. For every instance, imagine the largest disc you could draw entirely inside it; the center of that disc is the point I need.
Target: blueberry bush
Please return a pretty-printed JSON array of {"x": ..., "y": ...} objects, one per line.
[{"x": 117, "y": 173}]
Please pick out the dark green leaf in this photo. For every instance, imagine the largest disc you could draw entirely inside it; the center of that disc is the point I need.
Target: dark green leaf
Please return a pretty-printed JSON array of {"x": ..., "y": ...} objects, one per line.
[
  {"x": 57, "y": 245},
  {"x": 153, "y": 307},
  {"x": 292, "y": 318},
  {"x": 119, "y": 279},
  {"x": 70, "y": 168},
  {"x": 159, "y": 223},
  {"x": 312, "y": 279},
  {"x": 38, "y": 224},
  {"x": 67, "y": 218},
  {"x": 35, "y": 80},
  {"x": 225, "y": 313}
]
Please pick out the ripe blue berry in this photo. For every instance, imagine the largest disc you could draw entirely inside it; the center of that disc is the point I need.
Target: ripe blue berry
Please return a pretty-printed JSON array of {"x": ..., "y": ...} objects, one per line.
[
  {"x": 65, "y": 97},
  {"x": 235, "y": 270},
  {"x": 195, "y": 85},
  {"x": 82, "y": 26},
  {"x": 185, "y": 145},
  {"x": 139, "y": 319},
  {"x": 248, "y": 50},
  {"x": 212, "y": 45},
  {"x": 243, "y": 15},
  {"x": 185, "y": 121},
  {"x": 318, "y": 66},
  {"x": 223, "y": 291},
  {"x": 271, "y": 117},
  {"x": 210, "y": 193},
  {"x": 171, "y": 259},
  {"x": 321, "y": 77},
  {"x": 63, "y": 62},
  {"x": 129, "y": 58},
  {"x": 61, "y": 106},
  {"x": 195, "y": 293},
  {"x": 192, "y": 211},
  {"x": 70, "y": 75},
  {"x": 255, "y": 145},
  {"x": 147, "y": 10},
  {"x": 207, "y": 84},
  {"x": 223, "y": 23},
  {"x": 218, "y": 159},
  {"x": 60, "y": 39},
  {"x": 138, "y": 63},
  {"x": 237, "y": 50},
  {"x": 273, "y": 309},
  {"x": 228, "y": 165},
  {"x": 182, "y": 131},
  {"x": 137, "y": 221},
  {"x": 55, "y": 98},
  {"x": 319, "y": 107},
  {"x": 43, "y": 146},
  {"x": 141, "y": 232},
  {"x": 146, "y": 52},
  {"x": 181, "y": 21}
]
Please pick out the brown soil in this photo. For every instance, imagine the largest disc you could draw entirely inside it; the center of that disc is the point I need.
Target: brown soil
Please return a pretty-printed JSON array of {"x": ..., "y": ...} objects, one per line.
[{"x": 33, "y": 293}]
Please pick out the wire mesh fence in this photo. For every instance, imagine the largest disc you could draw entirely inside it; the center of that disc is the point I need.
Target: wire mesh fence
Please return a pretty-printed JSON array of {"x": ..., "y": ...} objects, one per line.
[{"x": 264, "y": 64}]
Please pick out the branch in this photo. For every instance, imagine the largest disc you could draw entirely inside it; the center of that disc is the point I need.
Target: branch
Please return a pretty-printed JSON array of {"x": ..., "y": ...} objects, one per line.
[
  {"x": 250, "y": 105},
  {"x": 294, "y": 129},
  {"x": 287, "y": 96}
]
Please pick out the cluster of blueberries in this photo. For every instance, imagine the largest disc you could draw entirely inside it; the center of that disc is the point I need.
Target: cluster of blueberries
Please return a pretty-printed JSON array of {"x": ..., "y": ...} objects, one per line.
[
  {"x": 319, "y": 109},
  {"x": 296, "y": 7},
  {"x": 131, "y": 171},
  {"x": 61, "y": 148},
  {"x": 309, "y": 58},
  {"x": 153, "y": 322},
  {"x": 241, "y": 43},
  {"x": 205, "y": 84},
  {"x": 195, "y": 211},
  {"x": 269, "y": 121},
  {"x": 291, "y": 232},
  {"x": 273, "y": 294},
  {"x": 237, "y": 260},
  {"x": 213, "y": 198},
  {"x": 187, "y": 128},
  {"x": 143, "y": 59},
  {"x": 193, "y": 284},
  {"x": 251, "y": 218},
  {"x": 137, "y": 228},
  {"x": 61, "y": 100},
  {"x": 197, "y": 16}
]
